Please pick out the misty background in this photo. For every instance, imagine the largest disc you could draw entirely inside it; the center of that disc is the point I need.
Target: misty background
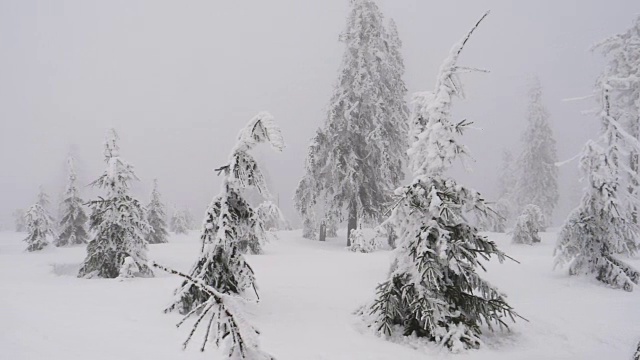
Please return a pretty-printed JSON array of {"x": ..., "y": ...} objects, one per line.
[{"x": 178, "y": 80}]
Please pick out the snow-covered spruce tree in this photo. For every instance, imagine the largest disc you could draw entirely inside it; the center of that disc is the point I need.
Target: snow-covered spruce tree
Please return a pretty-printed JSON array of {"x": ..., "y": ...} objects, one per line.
[
  {"x": 528, "y": 224},
  {"x": 602, "y": 225},
  {"x": 623, "y": 77},
  {"x": 156, "y": 217},
  {"x": 179, "y": 223},
  {"x": 38, "y": 224},
  {"x": 19, "y": 220},
  {"x": 538, "y": 174},
  {"x": 73, "y": 222},
  {"x": 272, "y": 218},
  {"x": 359, "y": 160},
  {"x": 118, "y": 221},
  {"x": 219, "y": 278},
  {"x": 309, "y": 228},
  {"x": 433, "y": 290}
]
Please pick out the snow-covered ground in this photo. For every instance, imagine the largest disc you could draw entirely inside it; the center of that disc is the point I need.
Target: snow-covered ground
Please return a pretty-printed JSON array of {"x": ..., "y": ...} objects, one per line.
[{"x": 308, "y": 291}]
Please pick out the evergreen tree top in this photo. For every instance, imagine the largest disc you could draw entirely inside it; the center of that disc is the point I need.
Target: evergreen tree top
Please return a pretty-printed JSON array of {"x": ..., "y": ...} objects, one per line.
[
  {"x": 241, "y": 170},
  {"x": 537, "y": 113},
  {"x": 71, "y": 189},
  {"x": 119, "y": 173},
  {"x": 43, "y": 198},
  {"x": 622, "y": 75},
  {"x": 434, "y": 147},
  {"x": 111, "y": 148},
  {"x": 155, "y": 194}
]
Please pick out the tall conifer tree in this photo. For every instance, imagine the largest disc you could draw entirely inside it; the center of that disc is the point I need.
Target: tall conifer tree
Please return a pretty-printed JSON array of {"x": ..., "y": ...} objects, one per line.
[
  {"x": 538, "y": 174},
  {"x": 358, "y": 154}
]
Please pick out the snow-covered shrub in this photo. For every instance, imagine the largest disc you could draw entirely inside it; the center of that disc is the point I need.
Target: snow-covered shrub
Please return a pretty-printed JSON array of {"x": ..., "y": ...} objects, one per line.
[
  {"x": 38, "y": 228},
  {"x": 528, "y": 224},
  {"x": 272, "y": 218},
  {"x": 361, "y": 243},
  {"x": 433, "y": 289},
  {"x": 309, "y": 230},
  {"x": 118, "y": 221},
  {"x": 72, "y": 230},
  {"x": 129, "y": 268},
  {"x": 218, "y": 280}
]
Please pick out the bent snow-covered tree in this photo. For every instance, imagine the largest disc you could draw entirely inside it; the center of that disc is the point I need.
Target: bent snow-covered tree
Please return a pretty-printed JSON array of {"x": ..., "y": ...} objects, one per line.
[
  {"x": 528, "y": 224},
  {"x": 118, "y": 221},
  {"x": 538, "y": 175},
  {"x": 220, "y": 277},
  {"x": 73, "y": 223},
  {"x": 156, "y": 217},
  {"x": 38, "y": 223},
  {"x": 603, "y": 226},
  {"x": 358, "y": 154},
  {"x": 433, "y": 290}
]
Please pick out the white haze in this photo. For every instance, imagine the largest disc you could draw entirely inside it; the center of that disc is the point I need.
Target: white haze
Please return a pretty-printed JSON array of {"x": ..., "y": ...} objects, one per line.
[{"x": 179, "y": 79}]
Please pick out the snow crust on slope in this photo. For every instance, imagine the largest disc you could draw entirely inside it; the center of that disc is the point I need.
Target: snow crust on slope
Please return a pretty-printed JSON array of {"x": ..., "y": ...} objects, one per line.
[{"x": 308, "y": 292}]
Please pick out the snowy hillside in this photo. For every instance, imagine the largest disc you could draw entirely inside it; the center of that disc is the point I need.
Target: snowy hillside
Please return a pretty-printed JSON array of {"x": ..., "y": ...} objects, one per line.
[{"x": 308, "y": 292}]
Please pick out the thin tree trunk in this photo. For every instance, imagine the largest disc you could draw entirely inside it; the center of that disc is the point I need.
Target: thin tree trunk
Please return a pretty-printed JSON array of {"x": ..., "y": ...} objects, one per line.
[
  {"x": 634, "y": 157},
  {"x": 353, "y": 222},
  {"x": 323, "y": 231},
  {"x": 391, "y": 237}
]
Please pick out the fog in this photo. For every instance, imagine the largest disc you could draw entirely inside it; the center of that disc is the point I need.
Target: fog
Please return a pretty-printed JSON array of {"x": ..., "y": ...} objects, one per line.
[{"x": 179, "y": 79}]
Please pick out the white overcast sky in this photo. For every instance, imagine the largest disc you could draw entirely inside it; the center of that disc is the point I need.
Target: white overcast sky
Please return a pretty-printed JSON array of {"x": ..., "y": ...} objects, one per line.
[{"x": 177, "y": 79}]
